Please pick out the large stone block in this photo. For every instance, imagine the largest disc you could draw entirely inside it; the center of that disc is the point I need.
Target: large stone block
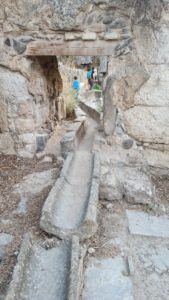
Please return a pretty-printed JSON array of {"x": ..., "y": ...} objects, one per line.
[
  {"x": 6, "y": 144},
  {"x": 89, "y": 36},
  {"x": 148, "y": 124},
  {"x": 131, "y": 184},
  {"x": 105, "y": 279},
  {"x": 25, "y": 109},
  {"x": 24, "y": 125},
  {"x": 110, "y": 111},
  {"x": 113, "y": 35},
  {"x": 13, "y": 87},
  {"x": 155, "y": 91},
  {"x": 141, "y": 223},
  {"x": 152, "y": 50},
  {"x": 72, "y": 36}
]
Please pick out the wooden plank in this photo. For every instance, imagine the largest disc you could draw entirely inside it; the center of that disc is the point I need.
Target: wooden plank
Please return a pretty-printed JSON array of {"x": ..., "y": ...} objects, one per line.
[
  {"x": 54, "y": 51},
  {"x": 51, "y": 49}
]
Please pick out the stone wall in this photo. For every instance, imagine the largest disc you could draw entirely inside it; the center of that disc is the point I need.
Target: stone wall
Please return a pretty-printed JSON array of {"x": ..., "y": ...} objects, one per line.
[
  {"x": 29, "y": 90},
  {"x": 134, "y": 33},
  {"x": 139, "y": 86}
]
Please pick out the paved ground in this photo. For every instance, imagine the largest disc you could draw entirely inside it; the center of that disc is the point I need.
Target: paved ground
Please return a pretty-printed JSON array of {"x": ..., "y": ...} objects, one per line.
[{"x": 127, "y": 264}]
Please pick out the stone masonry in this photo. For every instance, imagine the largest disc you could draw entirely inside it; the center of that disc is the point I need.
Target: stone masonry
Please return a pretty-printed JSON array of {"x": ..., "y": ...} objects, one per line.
[{"x": 135, "y": 36}]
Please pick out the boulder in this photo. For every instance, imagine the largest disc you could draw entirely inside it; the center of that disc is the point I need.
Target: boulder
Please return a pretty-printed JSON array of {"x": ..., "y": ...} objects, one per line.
[
  {"x": 110, "y": 187},
  {"x": 127, "y": 183},
  {"x": 148, "y": 124}
]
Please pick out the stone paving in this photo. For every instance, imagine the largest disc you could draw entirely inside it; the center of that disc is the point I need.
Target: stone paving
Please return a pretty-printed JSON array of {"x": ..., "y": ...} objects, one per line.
[
  {"x": 141, "y": 223},
  {"x": 105, "y": 279}
]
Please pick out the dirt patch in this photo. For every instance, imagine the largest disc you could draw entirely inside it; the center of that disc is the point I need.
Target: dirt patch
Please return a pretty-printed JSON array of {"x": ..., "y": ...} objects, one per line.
[
  {"x": 101, "y": 242},
  {"x": 162, "y": 187},
  {"x": 161, "y": 184},
  {"x": 12, "y": 170}
]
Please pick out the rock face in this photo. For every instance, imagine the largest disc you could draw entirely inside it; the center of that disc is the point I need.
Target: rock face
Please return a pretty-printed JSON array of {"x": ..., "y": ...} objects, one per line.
[{"x": 140, "y": 85}]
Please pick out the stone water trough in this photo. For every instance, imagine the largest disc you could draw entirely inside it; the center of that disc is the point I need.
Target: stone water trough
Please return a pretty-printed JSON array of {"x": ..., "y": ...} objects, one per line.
[
  {"x": 48, "y": 272},
  {"x": 72, "y": 137},
  {"x": 71, "y": 207}
]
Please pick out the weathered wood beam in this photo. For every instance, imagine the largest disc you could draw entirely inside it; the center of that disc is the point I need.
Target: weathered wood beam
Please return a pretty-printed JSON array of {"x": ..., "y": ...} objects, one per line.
[{"x": 69, "y": 49}]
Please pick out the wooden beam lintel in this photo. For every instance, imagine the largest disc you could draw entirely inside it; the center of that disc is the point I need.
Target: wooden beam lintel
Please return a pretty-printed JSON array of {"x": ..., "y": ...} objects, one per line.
[{"x": 55, "y": 51}]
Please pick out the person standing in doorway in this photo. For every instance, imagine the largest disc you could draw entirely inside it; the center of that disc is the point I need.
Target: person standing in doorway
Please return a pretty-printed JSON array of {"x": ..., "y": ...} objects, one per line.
[
  {"x": 92, "y": 76},
  {"x": 89, "y": 77},
  {"x": 76, "y": 86}
]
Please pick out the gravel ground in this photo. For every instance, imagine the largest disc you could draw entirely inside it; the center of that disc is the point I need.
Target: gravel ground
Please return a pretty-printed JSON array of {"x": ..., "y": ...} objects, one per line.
[{"x": 12, "y": 170}]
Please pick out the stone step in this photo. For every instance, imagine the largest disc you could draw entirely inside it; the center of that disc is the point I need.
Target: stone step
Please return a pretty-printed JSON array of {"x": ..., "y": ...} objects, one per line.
[
  {"x": 71, "y": 207},
  {"x": 47, "y": 273}
]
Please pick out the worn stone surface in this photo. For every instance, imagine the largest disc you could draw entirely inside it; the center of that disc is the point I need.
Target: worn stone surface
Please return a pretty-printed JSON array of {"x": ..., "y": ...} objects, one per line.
[
  {"x": 25, "y": 105},
  {"x": 150, "y": 262},
  {"x": 140, "y": 88},
  {"x": 127, "y": 183},
  {"x": 150, "y": 124},
  {"x": 6, "y": 144},
  {"x": 110, "y": 111},
  {"x": 144, "y": 224},
  {"x": 48, "y": 270},
  {"x": 104, "y": 278},
  {"x": 5, "y": 239},
  {"x": 33, "y": 184},
  {"x": 77, "y": 189},
  {"x": 36, "y": 182},
  {"x": 140, "y": 73}
]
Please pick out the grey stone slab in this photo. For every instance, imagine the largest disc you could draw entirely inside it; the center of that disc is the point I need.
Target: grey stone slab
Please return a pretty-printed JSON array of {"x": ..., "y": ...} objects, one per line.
[
  {"x": 5, "y": 239},
  {"x": 104, "y": 279},
  {"x": 141, "y": 223}
]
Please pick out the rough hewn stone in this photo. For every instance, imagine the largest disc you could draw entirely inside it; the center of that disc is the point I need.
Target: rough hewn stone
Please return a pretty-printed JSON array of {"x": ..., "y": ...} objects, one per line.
[
  {"x": 6, "y": 144},
  {"x": 131, "y": 184},
  {"x": 110, "y": 111},
  {"x": 25, "y": 104},
  {"x": 148, "y": 124},
  {"x": 141, "y": 223}
]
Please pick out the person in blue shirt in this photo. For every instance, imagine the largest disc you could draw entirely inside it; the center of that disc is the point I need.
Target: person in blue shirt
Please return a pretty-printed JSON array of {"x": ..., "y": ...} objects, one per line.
[
  {"x": 89, "y": 77},
  {"x": 76, "y": 86}
]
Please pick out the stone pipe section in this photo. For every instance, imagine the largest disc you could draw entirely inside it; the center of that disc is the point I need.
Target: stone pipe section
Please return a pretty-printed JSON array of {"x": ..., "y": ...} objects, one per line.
[
  {"x": 93, "y": 113},
  {"x": 71, "y": 207},
  {"x": 72, "y": 137},
  {"x": 47, "y": 272}
]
